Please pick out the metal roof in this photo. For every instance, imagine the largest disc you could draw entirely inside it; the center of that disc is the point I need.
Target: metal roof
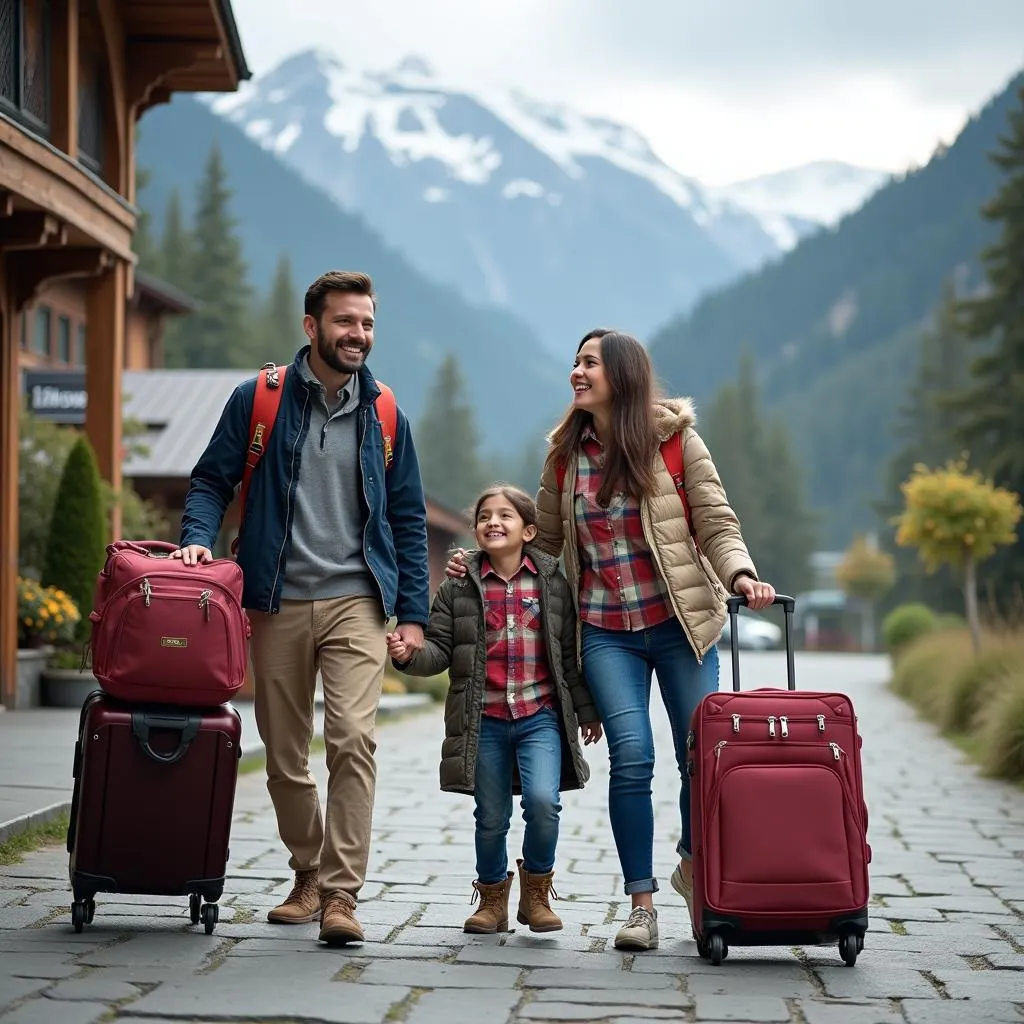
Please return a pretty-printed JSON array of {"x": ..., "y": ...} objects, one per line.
[{"x": 180, "y": 409}]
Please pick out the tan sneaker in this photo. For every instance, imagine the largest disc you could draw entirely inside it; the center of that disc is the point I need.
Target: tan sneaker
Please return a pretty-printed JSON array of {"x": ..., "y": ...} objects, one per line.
[
  {"x": 302, "y": 904},
  {"x": 682, "y": 882},
  {"x": 640, "y": 932},
  {"x": 338, "y": 924},
  {"x": 492, "y": 914},
  {"x": 535, "y": 892}
]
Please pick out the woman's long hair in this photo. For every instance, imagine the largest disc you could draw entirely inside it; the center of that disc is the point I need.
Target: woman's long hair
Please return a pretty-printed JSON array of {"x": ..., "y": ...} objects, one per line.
[{"x": 630, "y": 451}]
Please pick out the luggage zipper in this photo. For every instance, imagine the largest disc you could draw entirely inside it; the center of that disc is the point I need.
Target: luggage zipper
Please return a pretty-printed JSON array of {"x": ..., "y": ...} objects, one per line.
[
  {"x": 783, "y": 721},
  {"x": 204, "y": 603},
  {"x": 147, "y": 590}
]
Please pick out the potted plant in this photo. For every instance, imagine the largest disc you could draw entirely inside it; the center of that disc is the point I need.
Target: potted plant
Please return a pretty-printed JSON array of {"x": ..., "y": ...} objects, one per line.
[{"x": 47, "y": 617}]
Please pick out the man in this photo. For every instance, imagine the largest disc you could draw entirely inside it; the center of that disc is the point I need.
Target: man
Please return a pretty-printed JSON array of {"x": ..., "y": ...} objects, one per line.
[{"x": 332, "y": 545}]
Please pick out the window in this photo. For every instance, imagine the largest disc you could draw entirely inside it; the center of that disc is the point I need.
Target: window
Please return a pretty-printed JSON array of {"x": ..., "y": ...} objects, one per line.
[
  {"x": 91, "y": 84},
  {"x": 25, "y": 62},
  {"x": 24, "y": 331},
  {"x": 41, "y": 334},
  {"x": 80, "y": 346},
  {"x": 64, "y": 339}
]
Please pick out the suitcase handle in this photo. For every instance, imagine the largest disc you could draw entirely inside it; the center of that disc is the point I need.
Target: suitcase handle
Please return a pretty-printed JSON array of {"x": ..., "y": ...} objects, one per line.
[
  {"x": 143, "y": 721},
  {"x": 737, "y": 601}
]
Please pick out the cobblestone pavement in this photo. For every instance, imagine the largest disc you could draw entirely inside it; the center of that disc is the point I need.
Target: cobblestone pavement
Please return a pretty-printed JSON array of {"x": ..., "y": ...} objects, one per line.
[{"x": 946, "y": 942}]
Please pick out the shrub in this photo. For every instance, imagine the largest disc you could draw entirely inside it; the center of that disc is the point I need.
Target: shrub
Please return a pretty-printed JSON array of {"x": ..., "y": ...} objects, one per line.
[
  {"x": 950, "y": 620},
  {"x": 906, "y": 623},
  {"x": 393, "y": 685},
  {"x": 1001, "y": 729},
  {"x": 926, "y": 667},
  {"x": 970, "y": 687},
  {"x": 46, "y": 615},
  {"x": 76, "y": 549},
  {"x": 436, "y": 686}
]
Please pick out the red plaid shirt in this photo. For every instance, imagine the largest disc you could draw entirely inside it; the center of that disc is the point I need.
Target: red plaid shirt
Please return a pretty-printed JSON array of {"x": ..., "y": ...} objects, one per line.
[
  {"x": 519, "y": 680},
  {"x": 620, "y": 585}
]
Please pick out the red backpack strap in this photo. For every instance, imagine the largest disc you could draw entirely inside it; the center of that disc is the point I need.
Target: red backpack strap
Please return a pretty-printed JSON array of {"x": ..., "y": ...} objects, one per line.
[
  {"x": 266, "y": 400},
  {"x": 387, "y": 413},
  {"x": 672, "y": 454}
]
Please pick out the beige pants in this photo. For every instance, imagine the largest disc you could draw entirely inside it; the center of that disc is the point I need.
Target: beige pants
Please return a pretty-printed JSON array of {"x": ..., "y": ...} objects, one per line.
[{"x": 344, "y": 638}]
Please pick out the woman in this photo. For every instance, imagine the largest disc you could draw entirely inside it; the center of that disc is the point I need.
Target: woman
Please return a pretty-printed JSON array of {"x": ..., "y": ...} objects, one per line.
[{"x": 647, "y": 563}]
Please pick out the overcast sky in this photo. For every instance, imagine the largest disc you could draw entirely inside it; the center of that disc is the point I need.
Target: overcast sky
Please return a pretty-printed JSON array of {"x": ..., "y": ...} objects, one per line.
[{"x": 723, "y": 89}]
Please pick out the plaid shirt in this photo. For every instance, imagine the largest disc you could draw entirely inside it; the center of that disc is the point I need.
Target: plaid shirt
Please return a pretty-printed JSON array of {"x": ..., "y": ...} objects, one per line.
[
  {"x": 620, "y": 585},
  {"x": 519, "y": 680}
]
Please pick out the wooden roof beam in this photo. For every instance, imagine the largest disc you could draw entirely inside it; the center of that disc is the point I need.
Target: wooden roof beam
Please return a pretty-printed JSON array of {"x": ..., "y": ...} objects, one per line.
[
  {"x": 29, "y": 229},
  {"x": 32, "y": 269},
  {"x": 150, "y": 61}
]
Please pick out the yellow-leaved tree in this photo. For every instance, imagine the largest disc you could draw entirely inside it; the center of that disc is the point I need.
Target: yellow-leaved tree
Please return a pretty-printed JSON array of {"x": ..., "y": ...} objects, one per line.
[
  {"x": 955, "y": 517},
  {"x": 866, "y": 574}
]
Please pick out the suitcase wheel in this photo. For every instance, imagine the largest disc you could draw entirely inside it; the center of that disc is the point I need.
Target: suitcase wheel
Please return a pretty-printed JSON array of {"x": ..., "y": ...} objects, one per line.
[
  {"x": 210, "y": 914},
  {"x": 82, "y": 913},
  {"x": 194, "y": 901},
  {"x": 849, "y": 946},
  {"x": 714, "y": 948}
]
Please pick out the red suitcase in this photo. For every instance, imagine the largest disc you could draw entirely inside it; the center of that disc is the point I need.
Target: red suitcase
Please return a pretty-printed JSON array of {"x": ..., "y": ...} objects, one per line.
[
  {"x": 152, "y": 803},
  {"x": 780, "y": 853}
]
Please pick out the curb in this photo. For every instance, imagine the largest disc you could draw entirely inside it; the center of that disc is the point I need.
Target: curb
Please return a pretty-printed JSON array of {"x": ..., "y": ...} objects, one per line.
[{"x": 392, "y": 706}]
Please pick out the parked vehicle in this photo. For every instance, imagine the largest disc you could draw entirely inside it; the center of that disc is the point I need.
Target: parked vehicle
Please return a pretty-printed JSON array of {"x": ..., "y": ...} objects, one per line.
[{"x": 754, "y": 634}]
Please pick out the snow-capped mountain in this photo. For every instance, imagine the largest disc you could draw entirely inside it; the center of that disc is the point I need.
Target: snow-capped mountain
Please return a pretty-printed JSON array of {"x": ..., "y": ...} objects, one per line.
[
  {"x": 570, "y": 221},
  {"x": 821, "y": 193}
]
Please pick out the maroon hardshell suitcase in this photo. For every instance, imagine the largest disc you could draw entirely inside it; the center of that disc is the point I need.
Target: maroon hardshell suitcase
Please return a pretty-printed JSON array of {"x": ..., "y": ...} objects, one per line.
[{"x": 153, "y": 798}]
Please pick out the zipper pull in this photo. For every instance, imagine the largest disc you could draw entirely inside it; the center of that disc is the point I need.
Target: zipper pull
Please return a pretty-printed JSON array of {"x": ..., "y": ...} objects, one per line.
[
  {"x": 147, "y": 590},
  {"x": 771, "y": 725},
  {"x": 735, "y": 723},
  {"x": 784, "y": 722},
  {"x": 835, "y": 750},
  {"x": 821, "y": 723},
  {"x": 718, "y": 748},
  {"x": 204, "y": 603}
]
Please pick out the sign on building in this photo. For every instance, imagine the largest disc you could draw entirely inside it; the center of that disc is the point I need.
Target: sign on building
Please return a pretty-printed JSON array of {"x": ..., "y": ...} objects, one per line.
[{"x": 57, "y": 395}]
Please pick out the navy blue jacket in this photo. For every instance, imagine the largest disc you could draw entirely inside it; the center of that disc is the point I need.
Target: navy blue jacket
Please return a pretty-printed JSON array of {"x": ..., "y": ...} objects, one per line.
[{"x": 394, "y": 509}]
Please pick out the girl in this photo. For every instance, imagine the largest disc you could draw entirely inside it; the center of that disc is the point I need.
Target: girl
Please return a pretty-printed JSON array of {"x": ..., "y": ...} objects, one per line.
[
  {"x": 507, "y": 635},
  {"x": 646, "y": 556}
]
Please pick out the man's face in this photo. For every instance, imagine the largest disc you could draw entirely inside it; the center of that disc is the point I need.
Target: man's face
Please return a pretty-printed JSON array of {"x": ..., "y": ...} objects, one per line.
[{"x": 344, "y": 335}]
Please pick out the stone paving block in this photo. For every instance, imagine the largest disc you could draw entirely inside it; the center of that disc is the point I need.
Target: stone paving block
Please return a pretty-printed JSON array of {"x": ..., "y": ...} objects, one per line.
[
  {"x": 977, "y": 1011},
  {"x": 18, "y": 917},
  {"x": 9, "y": 896},
  {"x": 42, "y": 1011},
  {"x": 816, "y": 1012},
  {"x": 419, "y": 974},
  {"x": 414, "y": 935},
  {"x": 1008, "y": 961},
  {"x": 624, "y": 997},
  {"x": 881, "y": 982},
  {"x": 740, "y": 1008},
  {"x": 264, "y": 997},
  {"x": 178, "y": 951},
  {"x": 12, "y": 989},
  {"x": 968, "y": 984},
  {"x": 94, "y": 988},
  {"x": 576, "y": 1012},
  {"x": 366, "y": 951},
  {"x": 585, "y": 977},
  {"x": 37, "y": 965},
  {"x": 742, "y": 982},
  {"x": 446, "y": 1006},
  {"x": 527, "y": 956}
]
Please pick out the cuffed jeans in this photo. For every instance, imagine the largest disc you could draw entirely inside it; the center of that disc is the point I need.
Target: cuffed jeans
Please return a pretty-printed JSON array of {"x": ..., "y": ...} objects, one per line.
[
  {"x": 618, "y": 666},
  {"x": 536, "y": 744}
]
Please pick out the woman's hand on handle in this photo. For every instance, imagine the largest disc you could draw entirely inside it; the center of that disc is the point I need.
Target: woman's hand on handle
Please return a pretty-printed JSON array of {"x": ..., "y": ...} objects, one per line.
[
  {"x": 457, "y": 563},
  {"x": 758, "y": 594}
]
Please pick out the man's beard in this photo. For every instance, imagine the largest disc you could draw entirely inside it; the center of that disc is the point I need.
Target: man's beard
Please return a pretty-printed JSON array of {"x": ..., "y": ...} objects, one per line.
[{"x": 338, "y": 361}]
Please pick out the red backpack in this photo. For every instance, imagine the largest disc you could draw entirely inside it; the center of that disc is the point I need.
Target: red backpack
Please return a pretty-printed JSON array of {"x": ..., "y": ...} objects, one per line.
[
  {"x": 265, "y": 403},
  {"x": 672, "y": 454}
]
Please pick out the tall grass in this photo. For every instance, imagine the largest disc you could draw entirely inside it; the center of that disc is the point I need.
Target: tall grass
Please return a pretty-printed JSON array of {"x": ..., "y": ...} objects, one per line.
[{"x": 978, "y": 700}]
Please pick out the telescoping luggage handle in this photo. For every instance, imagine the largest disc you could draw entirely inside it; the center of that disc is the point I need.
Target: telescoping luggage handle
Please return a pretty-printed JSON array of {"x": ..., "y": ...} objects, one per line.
[
  {"x": 187, "y": 724},
  {"x": 734, "y": 604}
]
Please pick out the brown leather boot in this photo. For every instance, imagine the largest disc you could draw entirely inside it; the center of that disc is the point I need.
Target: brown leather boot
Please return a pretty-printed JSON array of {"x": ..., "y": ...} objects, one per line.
[
  {"x": 492, "y": 915},
  {"x": 535, "y": 892},
  {"x": 302, "y": 904},
  {"x": 338, "y": 924}
]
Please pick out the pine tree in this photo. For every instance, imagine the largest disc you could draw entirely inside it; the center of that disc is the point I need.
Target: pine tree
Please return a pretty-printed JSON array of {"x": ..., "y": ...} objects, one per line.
[
  {"x": 927, "y": 425},
  {"x": 176, "y": 245},
  {"x": 992, "y": 427},
  {"x": 219, "y": 334},
  {"x": 143, "y": 242},
  {"x": 447, "y": 440},
  {"x": 280, "y": 327}
]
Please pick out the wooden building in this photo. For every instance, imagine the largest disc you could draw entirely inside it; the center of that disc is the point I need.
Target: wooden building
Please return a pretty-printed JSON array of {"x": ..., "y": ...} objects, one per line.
[{"x": 75, "y": 77}]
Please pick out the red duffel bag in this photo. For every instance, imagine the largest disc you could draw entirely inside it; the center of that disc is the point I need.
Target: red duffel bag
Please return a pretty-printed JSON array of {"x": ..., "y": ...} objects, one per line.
[{"x": 168, "y": 633}]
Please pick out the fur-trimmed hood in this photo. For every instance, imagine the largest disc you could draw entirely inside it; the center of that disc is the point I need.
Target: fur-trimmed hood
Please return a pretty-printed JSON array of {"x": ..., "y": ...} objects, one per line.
[{"x": 672, "y": 415}]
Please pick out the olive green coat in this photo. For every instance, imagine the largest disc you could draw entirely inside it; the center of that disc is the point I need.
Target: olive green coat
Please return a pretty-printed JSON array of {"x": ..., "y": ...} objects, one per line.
[{"x": 456, "y": 639}]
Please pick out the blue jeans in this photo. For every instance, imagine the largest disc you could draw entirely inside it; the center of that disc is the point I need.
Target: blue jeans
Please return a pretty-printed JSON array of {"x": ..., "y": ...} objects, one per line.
[
  {"x": 536, "y": 744},
  {"x": 617, "y": 666}
]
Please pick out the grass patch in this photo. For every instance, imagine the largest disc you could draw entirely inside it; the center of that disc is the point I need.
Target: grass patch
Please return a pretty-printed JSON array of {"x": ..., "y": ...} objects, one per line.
[
  {"x": 977, "y": 701},
  {"x": 17, "y": 846}
]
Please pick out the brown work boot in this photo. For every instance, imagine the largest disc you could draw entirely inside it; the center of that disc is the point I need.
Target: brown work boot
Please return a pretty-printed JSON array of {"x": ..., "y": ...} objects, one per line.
[
  {"x": 492, "y": 916},
  {"x": 534, "y": 906},
  {"x": 302, "y": 904},
  {"x": 338, "y": 924}
]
